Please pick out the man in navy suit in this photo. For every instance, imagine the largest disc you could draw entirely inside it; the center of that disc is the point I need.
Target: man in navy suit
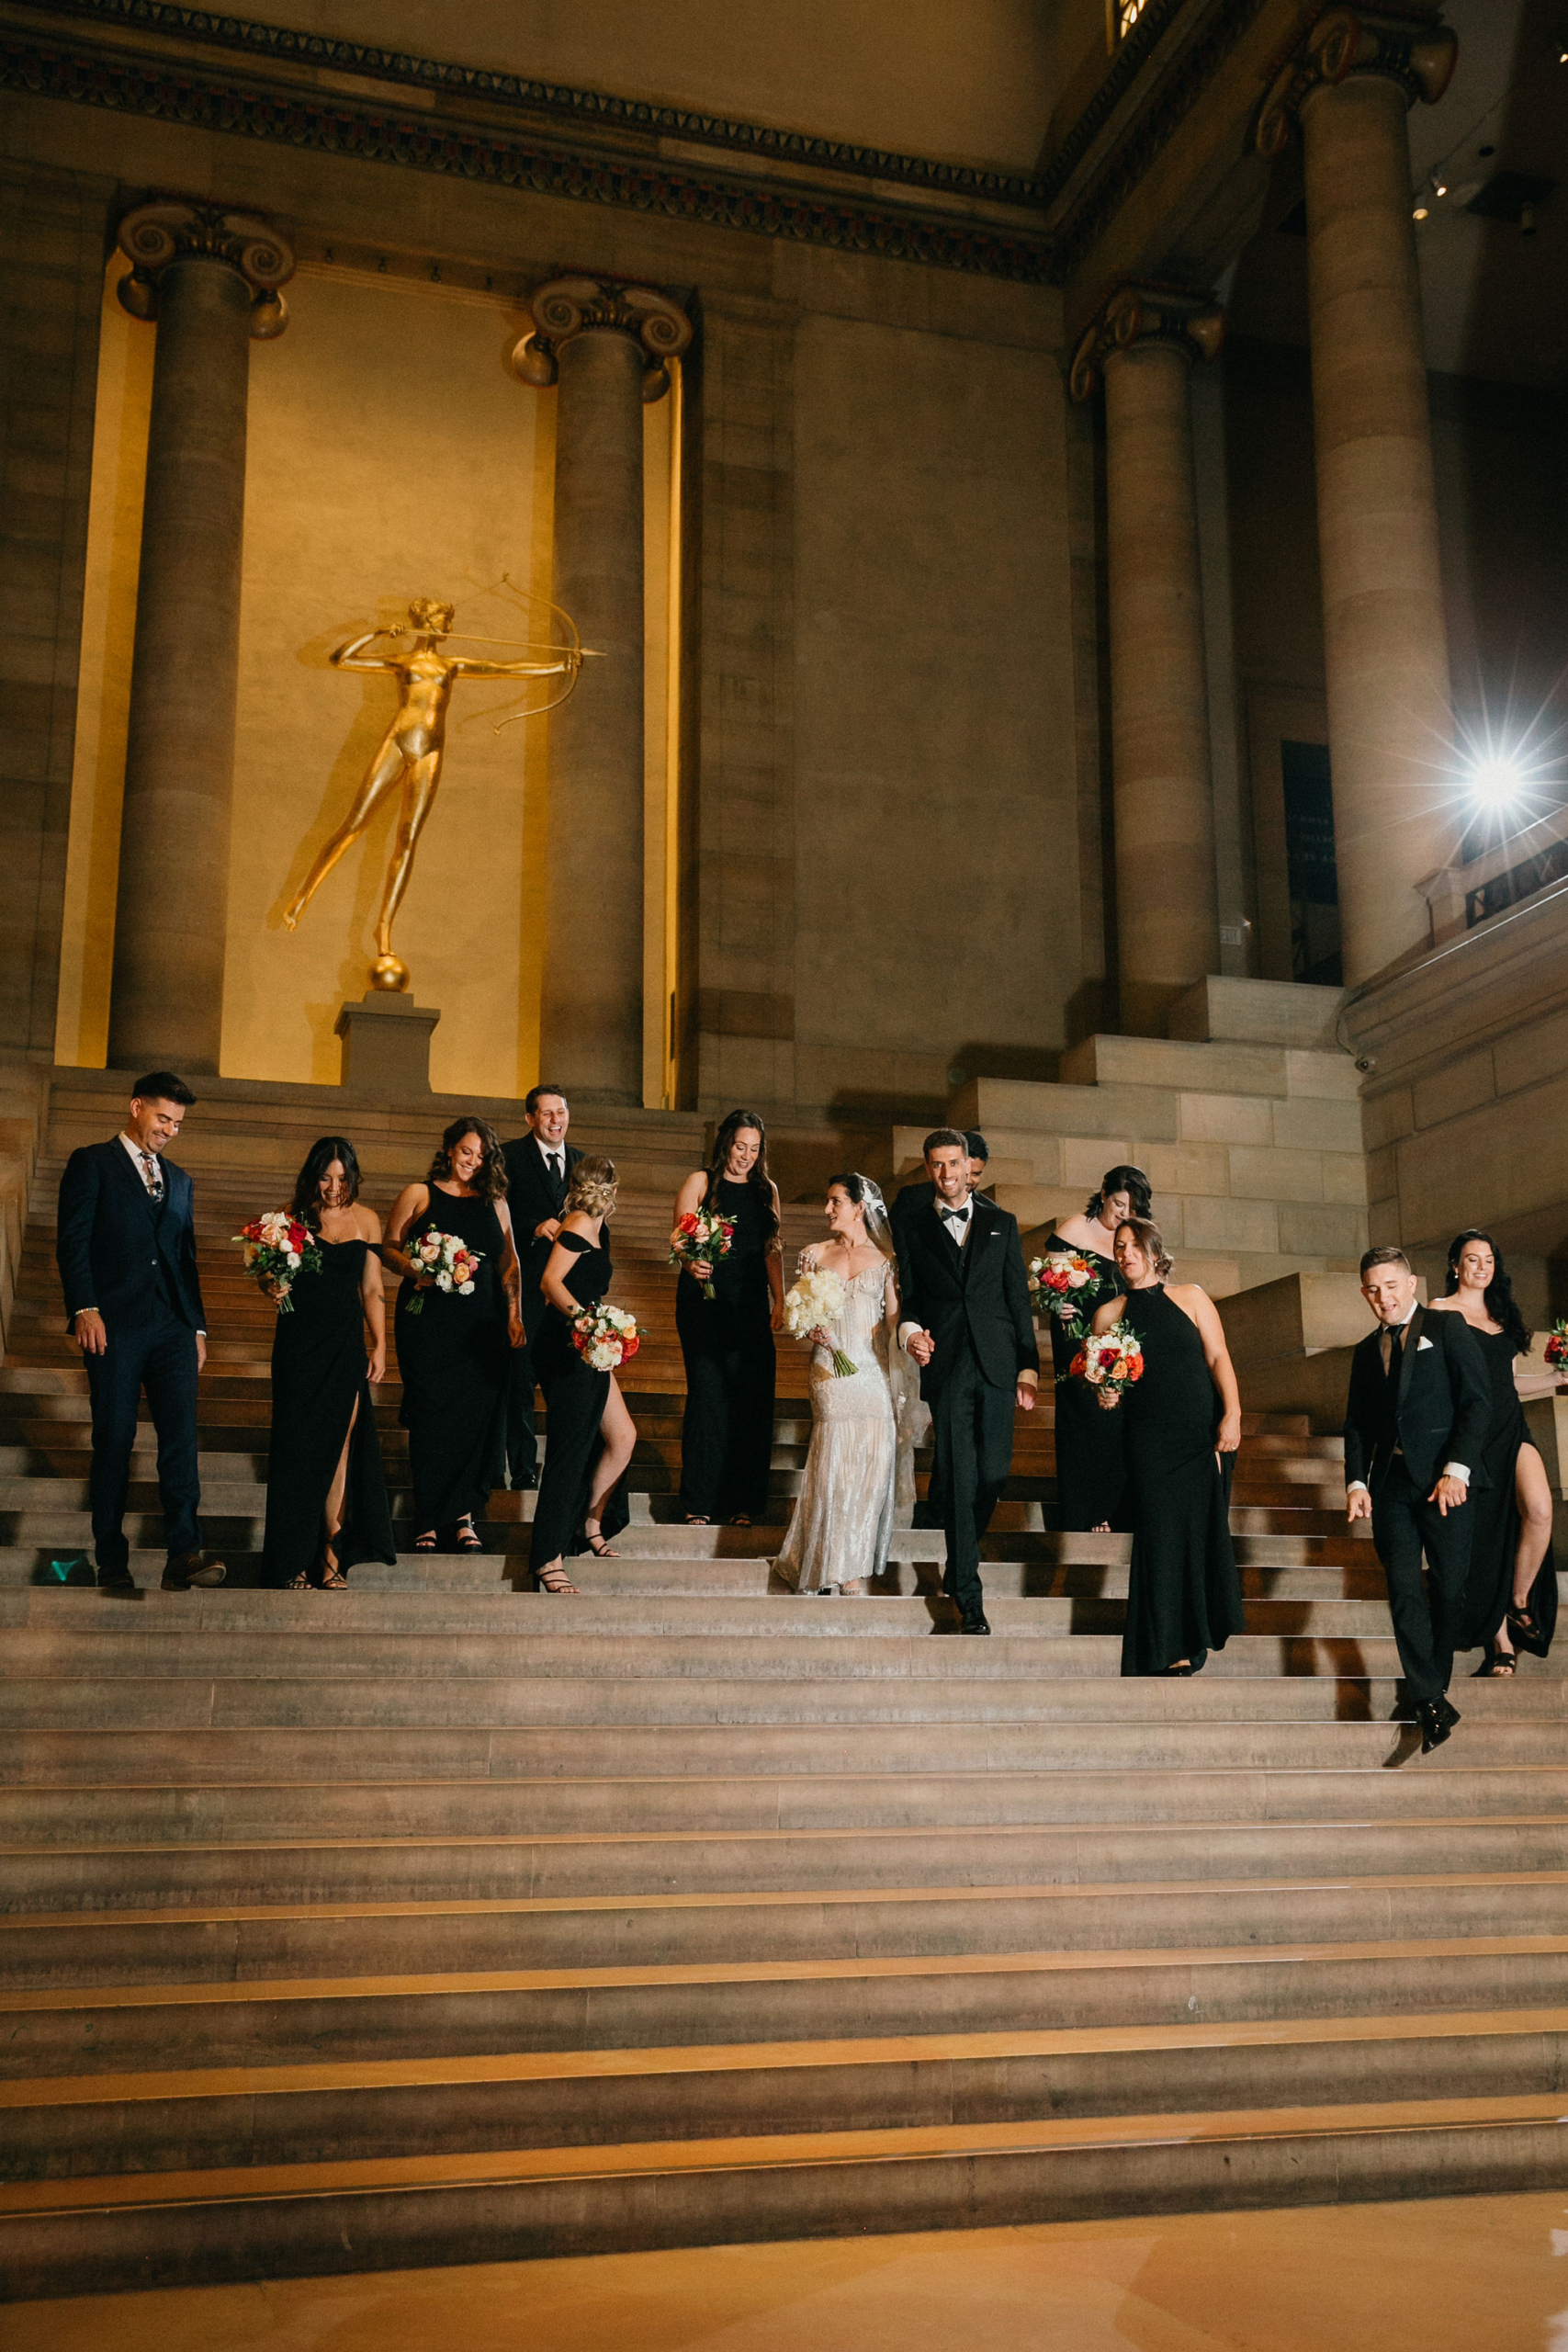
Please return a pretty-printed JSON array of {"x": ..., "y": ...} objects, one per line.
[{"x": 127, "y": 1255}]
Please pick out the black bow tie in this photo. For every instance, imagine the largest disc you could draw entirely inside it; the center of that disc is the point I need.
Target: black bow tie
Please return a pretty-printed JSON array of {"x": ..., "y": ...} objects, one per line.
[{"x": 956, "y": 1216}]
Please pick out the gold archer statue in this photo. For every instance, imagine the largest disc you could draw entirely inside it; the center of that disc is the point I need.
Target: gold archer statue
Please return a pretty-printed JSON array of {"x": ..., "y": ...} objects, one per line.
[{"x": 409, "y": 754}]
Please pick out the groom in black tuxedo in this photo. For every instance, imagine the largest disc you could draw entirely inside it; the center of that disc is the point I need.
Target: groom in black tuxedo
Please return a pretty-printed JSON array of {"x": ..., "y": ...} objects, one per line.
[
  {"x": 965, "y": 1321},
  {"x": 538, "y": 1169},
  {"x": 126, "y": 1248},
  {"x": 1415, "y": 1427}
]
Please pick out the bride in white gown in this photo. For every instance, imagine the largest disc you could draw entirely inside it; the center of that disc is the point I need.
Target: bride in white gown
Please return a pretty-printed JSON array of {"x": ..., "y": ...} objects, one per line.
[{"x": 843, "y": 1518}]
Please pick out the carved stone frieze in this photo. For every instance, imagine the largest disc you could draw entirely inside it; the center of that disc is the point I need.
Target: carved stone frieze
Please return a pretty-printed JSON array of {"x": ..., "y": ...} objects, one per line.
[
  {"x": 565, "y": 308},
  {"x": 1408, "y": 46},
  {"x": 169, "y": 230},
  {"x": 1139, "y": 313}
]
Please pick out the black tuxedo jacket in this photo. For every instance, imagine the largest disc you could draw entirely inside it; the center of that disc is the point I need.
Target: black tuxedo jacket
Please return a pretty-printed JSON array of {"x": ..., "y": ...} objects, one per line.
[
  {"x": 979, "y": 1292},
  {"x": 910, "y": 1202},
  {"x": 117, "y": 1250},
  {"x": 1443, "y": 1407},
  {"x": 533, "y": 1195}
]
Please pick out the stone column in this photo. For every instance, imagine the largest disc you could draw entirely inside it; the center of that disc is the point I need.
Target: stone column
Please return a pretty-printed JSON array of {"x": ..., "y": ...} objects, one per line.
[
  {"x": 1385, "y": 643},
  {"x": 210, "y": 279},
  {"x": 1142, "y": 344},
  {"x": 605, "y": 345}
]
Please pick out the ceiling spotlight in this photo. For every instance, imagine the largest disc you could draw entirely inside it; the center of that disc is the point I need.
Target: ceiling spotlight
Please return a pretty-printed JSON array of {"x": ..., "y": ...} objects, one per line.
[
  {"x": 1439, "y": 188},
  {"x": 1419, "y": 213}
]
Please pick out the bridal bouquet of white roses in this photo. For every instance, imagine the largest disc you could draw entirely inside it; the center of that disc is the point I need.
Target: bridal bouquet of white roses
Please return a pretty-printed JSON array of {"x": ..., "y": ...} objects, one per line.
[{"x": 814, "y": 1300}]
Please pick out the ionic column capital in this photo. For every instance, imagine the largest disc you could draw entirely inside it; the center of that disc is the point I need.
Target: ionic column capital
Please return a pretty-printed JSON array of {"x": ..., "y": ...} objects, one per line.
[
  {"x": 1194, "y": 323},
  {"x": 156, "y": 234},
  {"x": 1407, "y": 46},
  {"x": 565, "y": 308}
]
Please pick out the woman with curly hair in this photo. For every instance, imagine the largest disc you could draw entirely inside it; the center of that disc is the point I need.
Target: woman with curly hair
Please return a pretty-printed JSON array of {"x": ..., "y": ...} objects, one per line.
[
  {"x": 455, "y": 1352},
  {"x": 589, "y": 1434},
  {"x": 1510, "y": 1594}
]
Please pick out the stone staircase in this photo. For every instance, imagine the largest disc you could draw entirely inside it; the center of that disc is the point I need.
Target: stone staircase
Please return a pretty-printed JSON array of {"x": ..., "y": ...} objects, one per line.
[{"x": 438, "y": 1921}]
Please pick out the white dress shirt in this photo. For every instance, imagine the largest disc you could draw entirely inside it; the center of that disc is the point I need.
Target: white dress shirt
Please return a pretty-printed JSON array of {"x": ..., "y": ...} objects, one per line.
[
  {"x": 552, "y": 1153},
  {"x": 1451, "y": 1469}
]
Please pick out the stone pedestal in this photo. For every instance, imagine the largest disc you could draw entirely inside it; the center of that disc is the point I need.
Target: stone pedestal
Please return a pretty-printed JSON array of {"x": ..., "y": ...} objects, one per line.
[{"x": 386, "y": 1046}]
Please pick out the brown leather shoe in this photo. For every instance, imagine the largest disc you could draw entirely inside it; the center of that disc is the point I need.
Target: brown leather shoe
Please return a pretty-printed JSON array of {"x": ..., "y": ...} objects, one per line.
[{"x": 183, "y": 1569}]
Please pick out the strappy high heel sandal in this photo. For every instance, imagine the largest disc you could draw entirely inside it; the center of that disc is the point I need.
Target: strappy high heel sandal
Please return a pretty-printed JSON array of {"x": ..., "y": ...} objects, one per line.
[
  {"x": 593, "y": 1537},
  {"x": 333, "y": 1579},
  {"x": 1526, "y": 1632},
  {"x": 1499, "y": 1668},
  {"x": 468, "y": 1539},
  {"x": 552, "y": 1580},
  {"x": 426, "y": 1542}
]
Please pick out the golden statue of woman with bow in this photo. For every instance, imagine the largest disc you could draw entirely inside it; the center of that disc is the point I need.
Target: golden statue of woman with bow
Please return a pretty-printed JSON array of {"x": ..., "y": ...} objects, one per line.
[{"x": 410, "y": 755}]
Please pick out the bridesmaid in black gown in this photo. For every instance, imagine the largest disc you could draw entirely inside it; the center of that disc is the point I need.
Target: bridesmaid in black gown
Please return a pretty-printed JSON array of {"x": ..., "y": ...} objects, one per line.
[
  {"x": 1510, "y": 1594},
  {"x": 454, "y": 1353},
  {"x": 1091, "y": 1475},
  {"x": 326, "y": 1492},
  {"x": 726, "y": 1436},
  {"x": 589, "y": 1434},
  {"x": 1183, "y": 1425}
]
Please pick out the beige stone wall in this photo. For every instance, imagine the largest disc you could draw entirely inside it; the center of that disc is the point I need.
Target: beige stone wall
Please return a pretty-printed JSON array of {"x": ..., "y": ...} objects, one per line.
[
  {"x": 1465, "y": 1115},
  {"x": 937, "y": 923}
]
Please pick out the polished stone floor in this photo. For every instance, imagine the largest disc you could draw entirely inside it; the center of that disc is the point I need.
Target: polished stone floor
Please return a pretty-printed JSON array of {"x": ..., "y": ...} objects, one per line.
[{"x": 1483, "y": 2274}]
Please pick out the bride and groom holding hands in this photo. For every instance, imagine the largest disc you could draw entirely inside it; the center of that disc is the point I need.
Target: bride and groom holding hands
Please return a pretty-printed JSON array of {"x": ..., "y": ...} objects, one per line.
[{"x": 935, "y": 1292}]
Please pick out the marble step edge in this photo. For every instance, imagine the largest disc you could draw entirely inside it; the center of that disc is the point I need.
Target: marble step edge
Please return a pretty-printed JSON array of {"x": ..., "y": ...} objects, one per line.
[{"x": 84, "y": 2236}]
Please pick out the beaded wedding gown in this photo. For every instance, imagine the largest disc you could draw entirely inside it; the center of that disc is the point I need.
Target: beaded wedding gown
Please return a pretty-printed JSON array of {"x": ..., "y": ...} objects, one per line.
[{"x": 843, "y": 1518}]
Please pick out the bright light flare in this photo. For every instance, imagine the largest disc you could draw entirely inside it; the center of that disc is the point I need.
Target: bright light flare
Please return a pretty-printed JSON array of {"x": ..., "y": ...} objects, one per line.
[{"x": 1499, "y": 781}]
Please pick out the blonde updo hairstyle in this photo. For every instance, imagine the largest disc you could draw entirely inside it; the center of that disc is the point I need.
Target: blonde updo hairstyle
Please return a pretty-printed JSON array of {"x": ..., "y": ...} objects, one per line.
[
  {"x": 593, "y": 1187},
  {"x": 1150, "y": 1240}
]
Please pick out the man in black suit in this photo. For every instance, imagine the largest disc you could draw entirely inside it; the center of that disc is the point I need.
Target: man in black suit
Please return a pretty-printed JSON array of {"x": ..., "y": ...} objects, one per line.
[
  {"x": 930, "y": 1509},
  {"x": 1413, "y": 1428},
  {"x": 126, "y": 1249},
  {"x": 538, "y": 1169},
  {"x": 966, "y": 1323}
]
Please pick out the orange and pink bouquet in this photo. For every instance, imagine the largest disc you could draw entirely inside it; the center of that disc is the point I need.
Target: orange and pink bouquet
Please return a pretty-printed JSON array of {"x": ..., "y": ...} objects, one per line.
[
  {"x": 701, "y": 1237},
  {"x": 1109, "y": 1361}
]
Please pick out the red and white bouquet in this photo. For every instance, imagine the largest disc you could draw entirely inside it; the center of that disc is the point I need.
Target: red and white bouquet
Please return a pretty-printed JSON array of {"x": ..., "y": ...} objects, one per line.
[
  {"x": 1556, "y": 1350},
  {"x": 278, "y": 1247},
  {"x": 606, "y": 1337},
  {"x": 701, "y": 1237},
  {"x": 446, "y": 1260},
  {"x": 1109, "y": 1361},
  {"x": 1055, "y": 1282}
]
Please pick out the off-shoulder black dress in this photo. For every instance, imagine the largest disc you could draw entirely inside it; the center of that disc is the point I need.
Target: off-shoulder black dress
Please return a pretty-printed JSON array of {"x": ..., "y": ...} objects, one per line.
[{"x": 575, "y": 1396}]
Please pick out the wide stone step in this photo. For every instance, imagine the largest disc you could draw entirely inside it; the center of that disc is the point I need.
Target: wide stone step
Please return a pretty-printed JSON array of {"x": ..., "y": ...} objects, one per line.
[
  {"x": 695, "y": 1862},
  {"x": 759, "y": 1782},
  {"x": 966, "y": 1723},
  {"x": 346, "y": 2111},
  {"x": 61, "y": 1954},
  {"x": 94, "y": 2236},
  {"x": 342, "y": 2019}
]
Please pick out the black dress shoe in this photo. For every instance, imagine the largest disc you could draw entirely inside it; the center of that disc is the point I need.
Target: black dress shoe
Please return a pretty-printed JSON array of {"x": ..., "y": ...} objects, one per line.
[
  {"x": 526, "y": 1484},
  {"x": 1448, "y": 1711},
  {"x": 973, "y": 1623},
  {"x": 183, "y": 1569},
  {"x": 1433, "y": 1730},
  {"x": 116, "y": 1580}
]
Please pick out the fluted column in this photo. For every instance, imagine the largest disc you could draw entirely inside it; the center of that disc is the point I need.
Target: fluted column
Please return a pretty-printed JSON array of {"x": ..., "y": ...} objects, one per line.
[
  {"x": 1142, "y": 344},
  {"x": 211, "y": 280},
  {"x": 1385, "y": 641},
  {"x": 605, "y": 346}
]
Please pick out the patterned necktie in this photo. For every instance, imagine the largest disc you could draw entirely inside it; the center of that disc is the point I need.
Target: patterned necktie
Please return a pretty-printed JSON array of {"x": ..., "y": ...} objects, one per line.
[{"x": 152, "y": 1175}]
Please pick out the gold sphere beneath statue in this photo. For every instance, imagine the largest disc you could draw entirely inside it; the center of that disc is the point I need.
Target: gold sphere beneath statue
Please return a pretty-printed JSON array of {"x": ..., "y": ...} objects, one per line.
[{"x": 389, "y": 972}]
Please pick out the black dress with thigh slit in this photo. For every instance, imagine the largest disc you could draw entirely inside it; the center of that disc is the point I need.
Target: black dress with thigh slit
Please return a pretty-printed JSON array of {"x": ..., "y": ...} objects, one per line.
[
  {"x": 319, "y": 1377},
  {"x": 456, "y": 1361},
  {"x": 1184, "y": 1593},
  {"x": 1090, "y": 1473},
  {"x": 1495, "y": 1503},
  {"x": 575, "y": 1398},
  {"x": 726, "y": 1435}
]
